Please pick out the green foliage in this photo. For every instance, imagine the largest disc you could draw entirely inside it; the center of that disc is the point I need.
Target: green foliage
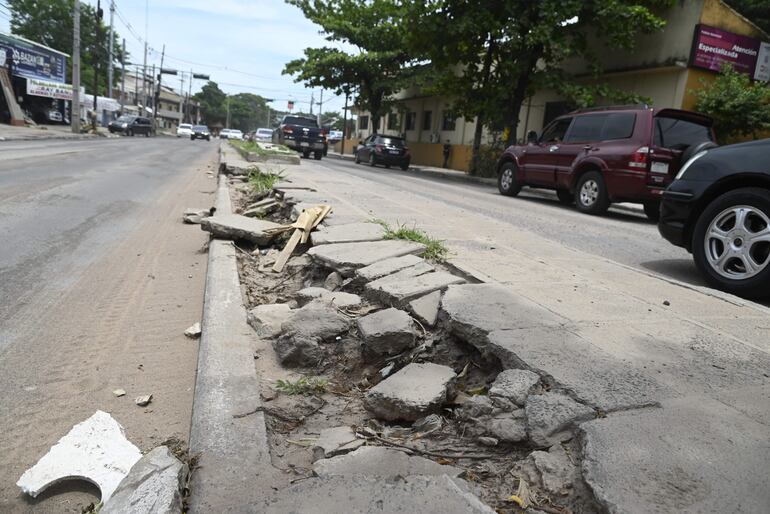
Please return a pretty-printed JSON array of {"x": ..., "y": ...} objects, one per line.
[
  {"x": 304, "y": 386},
  {"x": 261, "y": 181},
  {"x": 212, "y": 100},
  {"x": 435, "y": 249},
  {"x": 49, "y": 22},
  {"x": 739, "y": 106},
  {"x": 758, "y": 11},
  {"x": 247, "y": 111}
]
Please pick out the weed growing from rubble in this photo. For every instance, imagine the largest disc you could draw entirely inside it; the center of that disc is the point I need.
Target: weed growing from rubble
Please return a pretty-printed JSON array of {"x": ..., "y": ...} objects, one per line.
[
  {"x": 305, "y": 385},
  {"x": 261, "y": 181},
  {"x": 435, "y": 249}
]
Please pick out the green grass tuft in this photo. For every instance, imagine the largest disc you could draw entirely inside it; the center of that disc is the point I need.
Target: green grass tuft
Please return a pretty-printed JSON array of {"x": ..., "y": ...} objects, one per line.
[
  {"x": 435, "y": 249},
  {"x": 304, "y": 385},
  {"x": 261, "y": 181}
]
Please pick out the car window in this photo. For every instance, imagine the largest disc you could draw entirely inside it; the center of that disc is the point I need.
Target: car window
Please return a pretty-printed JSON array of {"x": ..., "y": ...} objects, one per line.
[
  {"x": 586, "y": 128},
  {"x": 302, "y": 122},
  {"x": 201, "y": 128},
  {"x": 264, "y": 132},
  {"x": 185, "y": 126},
  {"x": 555, "y": 131},
  {"x": 678, "y": 134},
  {"x": 392, "y": 141},
  {"x": 619, "y": 126}
]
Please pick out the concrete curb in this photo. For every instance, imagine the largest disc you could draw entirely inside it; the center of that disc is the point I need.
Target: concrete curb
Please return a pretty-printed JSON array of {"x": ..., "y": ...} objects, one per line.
[
  {"x": 49, "y": 137},
  {"x": 228, "y": 431}
]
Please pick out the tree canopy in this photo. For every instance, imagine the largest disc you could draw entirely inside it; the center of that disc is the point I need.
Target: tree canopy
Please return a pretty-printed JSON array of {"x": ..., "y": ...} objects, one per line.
[
  {"x": 758, "y": 11},
  {"x": 49, "y": 22},
  {"x": 247, "y": 111}
]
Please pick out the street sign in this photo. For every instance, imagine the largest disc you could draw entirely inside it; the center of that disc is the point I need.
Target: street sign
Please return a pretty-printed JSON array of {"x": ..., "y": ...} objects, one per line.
[
  {"x": 200, "y": 76},
  {"x": 290, "y": 105}
]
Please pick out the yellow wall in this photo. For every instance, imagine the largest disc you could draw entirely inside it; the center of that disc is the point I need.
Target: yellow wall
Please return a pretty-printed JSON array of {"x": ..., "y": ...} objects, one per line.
[{"x": 718, "y": 14}]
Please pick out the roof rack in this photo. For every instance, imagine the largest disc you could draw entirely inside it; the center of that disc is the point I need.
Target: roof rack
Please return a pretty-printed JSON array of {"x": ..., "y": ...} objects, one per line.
[{"x": 612, "y": 108}]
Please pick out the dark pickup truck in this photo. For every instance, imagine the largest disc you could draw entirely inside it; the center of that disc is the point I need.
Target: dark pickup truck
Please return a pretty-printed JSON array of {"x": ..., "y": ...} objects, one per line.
[{"x": 301, "y": 134}]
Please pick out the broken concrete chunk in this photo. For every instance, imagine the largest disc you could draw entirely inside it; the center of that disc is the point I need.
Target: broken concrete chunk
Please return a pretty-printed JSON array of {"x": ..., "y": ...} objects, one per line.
[
  {"x": 387, "y": 332},
  {"x": 556, "y": 470},
  {"x": 234, "y": 226},
  {"x": 425, "y": 308},
  {"x": 488, "y": 441},
  {"x": 509, "y": 427},
  {"x": 411, "y": 393},
  {"x": 195, "y": 216},
  {"x": 400, "y": 292},
  {"x": 305, "y": 331},
  {"x": 333, "y": 281},
  {"x": 193, "y": 331},
  {"x": 265, "y": 207},
  {"x": 143, "y": 400},
  {"x": 335, "y": 441},
  {"x": 348, "y": 233},
  {"x": 514, "y": 385},
  {"x": 387, "y": 267},
  {"x": 383, "y": 463},
  {"x": 119, "y": 392},
  {"x": 337, "y": 299},
  {"x": 151, "y": 487},
  {"x": 95, "y": 450},
  {"x": 267, "y": 319},
  {"x": 475, "y": 407},
  {"x": 552, "y": 416},
  {"x": 348, "y": 257}
]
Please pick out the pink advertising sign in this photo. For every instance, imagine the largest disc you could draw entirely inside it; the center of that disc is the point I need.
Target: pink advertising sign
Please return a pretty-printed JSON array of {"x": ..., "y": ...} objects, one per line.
[{"x": 712, "y": 47}]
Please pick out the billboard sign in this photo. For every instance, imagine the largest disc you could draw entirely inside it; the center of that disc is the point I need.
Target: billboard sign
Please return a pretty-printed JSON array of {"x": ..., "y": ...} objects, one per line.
[
  {"x": 762, "y": 71},
  {"x": 31, "y": 60},
  {"x": 713, "y": 47},
  {"x": 50, "y": 89}
]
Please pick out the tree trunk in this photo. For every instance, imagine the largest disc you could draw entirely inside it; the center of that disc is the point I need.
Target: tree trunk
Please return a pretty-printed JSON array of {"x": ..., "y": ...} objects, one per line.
[
  {"x": 519, "y": 95},
  {"x": 480, "y": 115}
]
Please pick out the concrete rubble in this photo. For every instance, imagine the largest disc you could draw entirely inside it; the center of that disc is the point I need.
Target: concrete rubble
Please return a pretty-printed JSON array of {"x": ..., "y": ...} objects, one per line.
[
  {"x": 333, "y": 281},
  {"x": 194, "y": 331},
  {"x": 552, "y": 417},
  {"x": 303, "y": 333},
  {"x": 348, "y": 233},
  {"x": 95, "y": 450},
  {"x": 319, "y": 294},
  {"x": 425, "y": 308},
  {"x": 411, "y": 393},
  {"x": 267, "y": 319},
  {"x": 346, "y": 258},
  {"x": 383, "y": 463},
  {"x": 336, "y": 441},
  {"x": 195, "y": 216},
  {"x": 509, "y": 427},
  {"x": 557, "y": 472},
  {"x": 514, "y": 385},
  {"x": 387, "y": 332},
  {"x": 262, "y": 207},
  {"x": 387, "y": 267},
  {"x": 151, "y": 487},
  {"x": 234, "y": 226},
  {"x": 390, "y": 291}
]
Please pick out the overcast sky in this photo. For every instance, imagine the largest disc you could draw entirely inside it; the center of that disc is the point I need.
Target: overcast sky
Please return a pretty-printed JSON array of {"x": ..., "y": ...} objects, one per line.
[{"x": 242, "y": 44}]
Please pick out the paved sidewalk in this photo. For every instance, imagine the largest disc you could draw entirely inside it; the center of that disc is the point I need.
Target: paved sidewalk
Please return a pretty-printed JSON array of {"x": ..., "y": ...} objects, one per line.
[
  {"x": 680, "y": 371},
  {"x": 10, "y": 133}
]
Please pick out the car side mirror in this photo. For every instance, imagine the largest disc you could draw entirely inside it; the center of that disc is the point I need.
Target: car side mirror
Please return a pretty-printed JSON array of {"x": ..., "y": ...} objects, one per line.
[
  {"x": 360, "y": 142},
  {"x": 532, "y": 137}
]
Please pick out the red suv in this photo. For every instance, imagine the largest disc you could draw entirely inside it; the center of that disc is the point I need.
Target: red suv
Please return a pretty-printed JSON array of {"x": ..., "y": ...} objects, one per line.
[{"x": 611, "y": 154}]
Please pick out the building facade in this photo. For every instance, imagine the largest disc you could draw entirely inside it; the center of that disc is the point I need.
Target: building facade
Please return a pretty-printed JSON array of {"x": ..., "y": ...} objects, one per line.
[{"x": 665, "y": 67}]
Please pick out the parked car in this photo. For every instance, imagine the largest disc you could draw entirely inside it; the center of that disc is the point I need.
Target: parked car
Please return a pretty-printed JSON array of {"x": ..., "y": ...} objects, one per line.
[
  {"x": 184, "y": 130},
  {"x": 264, "y": 135},
  {"x": 224, "y": 133},
  {"x": 301, "y": 134},
  {"x": 718, "y": 208},
  {"x": 235, "y": 134},
  {"x": 132, "y": 125},
  {"x": 200, "y": 132},
  {"x": 335, "y": 136},
  {"x": 387, "y": 150},
  {"x": 611, "y": 154}
]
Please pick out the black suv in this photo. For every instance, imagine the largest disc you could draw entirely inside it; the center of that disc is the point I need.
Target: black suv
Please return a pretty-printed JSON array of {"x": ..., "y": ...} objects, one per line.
[
  {"x": 132, "y": 125},
  {"x": 200, "y": 132},
  {"x": 387, "y": 150}
]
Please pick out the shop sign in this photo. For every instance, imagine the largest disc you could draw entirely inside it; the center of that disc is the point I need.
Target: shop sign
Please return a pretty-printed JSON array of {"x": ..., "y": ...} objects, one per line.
[
  {"x": 50, "y": 89},
  {"x": 762, "y": 71},
  {"x": 31, "y": 60},
  {"x": 713, "y": 47}
]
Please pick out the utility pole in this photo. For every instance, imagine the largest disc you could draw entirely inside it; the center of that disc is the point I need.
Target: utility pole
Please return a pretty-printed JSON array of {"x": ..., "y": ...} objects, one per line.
[
  {"x": 151, "y": 91},
  {"x": 111, "y": 49},
  {"x": 312, "y": 101},
  {"x": 99, "y": 15},
  {"x": 160, "y": 81},
  {"x": 227, "y": 105},
  {"x": 123, "y": 77},
  {"x": 75, "y": 107},
  {"x": 320, "y": 107},
  {"x": 189, "y": 97},
  {"x": 344, "y": 123},
  {"x": 144, "y": 77}
]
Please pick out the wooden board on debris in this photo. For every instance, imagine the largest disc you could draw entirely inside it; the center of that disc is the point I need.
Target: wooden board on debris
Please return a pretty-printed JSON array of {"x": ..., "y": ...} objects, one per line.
[{"x": 307, "y": 221}]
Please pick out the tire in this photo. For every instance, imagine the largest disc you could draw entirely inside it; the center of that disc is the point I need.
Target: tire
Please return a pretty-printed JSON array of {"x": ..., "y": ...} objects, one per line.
[
  {"x": 591, "y": 194},
  {"x": 192, "y": 138},
  {"x": 722, "y": 248},
  {"x": 146, "y": 134},
  {"x": 507, "y": 183},
  {"x": 405, "y": 166},
  {"x": 565, "y": 197},
  {"x": 306, "y": 154},
  {"x": 387, "y": 166},
  {"x": 130, "y": 133},
  {"x": 695, "y": 149},
  {"x": 357, "y": 158},
  {"x": 317, "y": 155},
  {"x": 652, "y": 210},
  {"x": 372, "y": 162}
]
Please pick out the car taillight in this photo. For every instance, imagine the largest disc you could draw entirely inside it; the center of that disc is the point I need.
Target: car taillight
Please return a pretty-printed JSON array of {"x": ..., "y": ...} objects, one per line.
[
  {"x": 639, "y": 158},
  {"x": 378, "y": 148}
]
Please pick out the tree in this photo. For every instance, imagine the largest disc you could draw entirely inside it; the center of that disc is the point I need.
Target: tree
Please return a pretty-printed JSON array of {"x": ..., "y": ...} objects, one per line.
[
  {"x": 738, "y": 105},
  {"x": 332, "y": 119},
  {"x": 247, "y": 111},
  {"x": 488, "y": 57},
  {"x": 212, "y": 102},
  {"x": 376, "y": 71},
  {"x": 758, "y": 11},
  {"x": 49, "y": 22}
]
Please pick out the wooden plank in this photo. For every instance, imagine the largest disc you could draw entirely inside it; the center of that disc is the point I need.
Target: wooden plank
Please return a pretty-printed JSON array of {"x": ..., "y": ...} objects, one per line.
[
  {"x": 325, "y": 211},
  {"x": 283, "y": 257}
]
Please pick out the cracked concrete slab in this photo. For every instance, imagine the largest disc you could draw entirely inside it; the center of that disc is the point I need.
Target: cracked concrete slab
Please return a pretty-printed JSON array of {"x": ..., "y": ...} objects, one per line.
[
  {"x": 387, "y": 332},
  {"x": 319, "y": 294},
  {"x": 387, "y": 267},
  {"x": 425, "y": 308},
  {"x": 551, "y": 417},
  {"x": 348, "y": 233},
  {"x": 412, "y": 392},
  {"x": 235, "y": 226},
  {"x": 394, "y": 290},
  {"x": 348, "y": 257},
  {"x": 95, "y": 450}
]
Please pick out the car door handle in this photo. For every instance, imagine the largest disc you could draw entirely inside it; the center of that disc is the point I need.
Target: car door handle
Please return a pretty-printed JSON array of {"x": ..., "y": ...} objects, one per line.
[
  {"x": 553, "y": 148},
  {"x": 589, "y": 148}
]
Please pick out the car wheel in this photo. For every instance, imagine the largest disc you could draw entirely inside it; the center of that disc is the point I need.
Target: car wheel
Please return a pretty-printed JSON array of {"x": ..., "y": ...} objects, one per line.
[
  {"x": 306, "y": 154},
  {"x": 208, "y": 138},
  {"x": 317, "y": 155},
  {"x": 565, "y": 196},
  {"x": 357, "y": 158},
  {"x": 146, "y": 134},
  {"x": 506, "y": 180},
  {"x": 731, "y": 242},
  {"x": 591, "y": 194},
  {"x": 372, "y": 162},
  {"x": 129, "y": 132},
  {"x": 652, "y": 210},
  {"x": 387, "y": 166},
  {"x": 405, "y": 166}
]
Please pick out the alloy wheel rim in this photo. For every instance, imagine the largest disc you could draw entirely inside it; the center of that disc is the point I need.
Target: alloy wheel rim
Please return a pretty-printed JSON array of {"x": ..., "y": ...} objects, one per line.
[
  {"x": 737, "y": 242},
  {"x": 506, "y": 179},
  {"x": 589, "y": 193}
]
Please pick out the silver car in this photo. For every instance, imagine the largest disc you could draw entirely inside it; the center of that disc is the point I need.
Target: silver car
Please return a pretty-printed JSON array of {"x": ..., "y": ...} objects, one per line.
[{"x": 264, "y": 134}]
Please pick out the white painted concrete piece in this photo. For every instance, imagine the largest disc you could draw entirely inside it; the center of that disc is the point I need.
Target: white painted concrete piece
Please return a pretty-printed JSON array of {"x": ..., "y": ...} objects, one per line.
[{"x": 95, "y": 450}]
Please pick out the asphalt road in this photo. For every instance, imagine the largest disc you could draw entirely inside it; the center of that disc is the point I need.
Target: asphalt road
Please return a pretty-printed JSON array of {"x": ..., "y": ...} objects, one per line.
[
  {"x": 624, "y": 235},
  {"x": 98, "y": 280}
]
